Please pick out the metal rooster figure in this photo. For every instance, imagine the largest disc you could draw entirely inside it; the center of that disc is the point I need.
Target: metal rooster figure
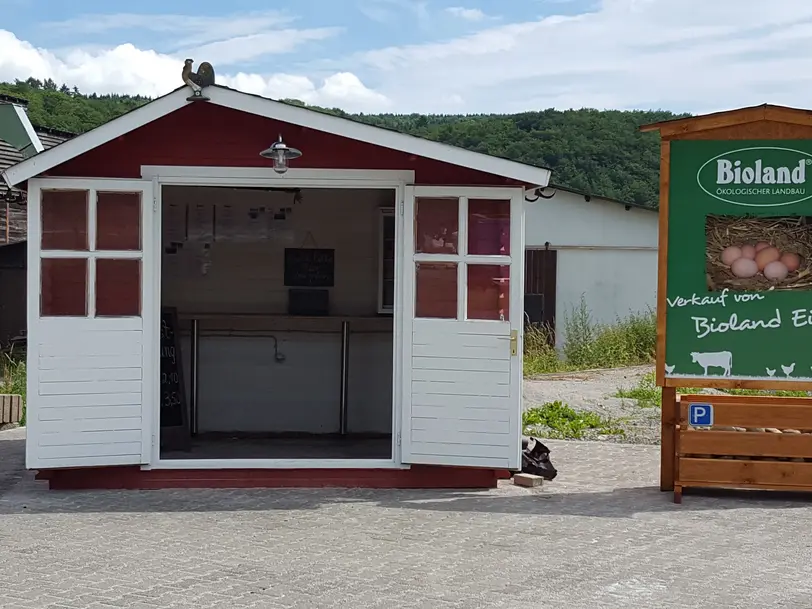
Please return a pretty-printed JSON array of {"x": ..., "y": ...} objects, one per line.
[{"x": 198, "y": 80}]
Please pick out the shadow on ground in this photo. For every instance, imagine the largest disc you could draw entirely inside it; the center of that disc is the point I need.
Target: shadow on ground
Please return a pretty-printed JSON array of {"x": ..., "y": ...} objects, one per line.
[{"x": 617, "y": 503}]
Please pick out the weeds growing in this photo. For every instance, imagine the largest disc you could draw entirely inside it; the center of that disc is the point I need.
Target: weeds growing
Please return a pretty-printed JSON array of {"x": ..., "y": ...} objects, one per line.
[
  {"x": 587, "y": 344},
  {"x": 12, "y": 377},
  {"x": 557, "y": 420}
]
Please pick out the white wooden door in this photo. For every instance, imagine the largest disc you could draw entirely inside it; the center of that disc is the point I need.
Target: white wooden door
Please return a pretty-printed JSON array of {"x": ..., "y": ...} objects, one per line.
[
  {"x": 91, "y": 322},
  {"x": 462, "y": 303}
]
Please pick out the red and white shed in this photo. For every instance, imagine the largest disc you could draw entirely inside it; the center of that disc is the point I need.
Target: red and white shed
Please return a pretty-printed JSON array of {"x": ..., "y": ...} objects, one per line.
[{"x": 197, "y": 318}]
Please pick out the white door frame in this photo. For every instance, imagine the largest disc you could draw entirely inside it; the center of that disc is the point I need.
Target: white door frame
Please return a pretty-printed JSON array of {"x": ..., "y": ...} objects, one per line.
[
  {"x": 516, "y": 258},
  {"x": 294, "y": 178}
]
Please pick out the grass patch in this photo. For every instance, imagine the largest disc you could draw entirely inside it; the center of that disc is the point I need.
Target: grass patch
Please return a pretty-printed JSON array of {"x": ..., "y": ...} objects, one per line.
[
  {"x": 12, "y": 377},
  {"x": 557, "y": 420},
  {"x": 630, "y": 341},
  {"x": 646, "y": 393}
]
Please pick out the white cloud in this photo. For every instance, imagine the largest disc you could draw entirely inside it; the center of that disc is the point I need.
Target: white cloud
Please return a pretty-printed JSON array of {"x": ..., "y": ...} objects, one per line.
[
  {"x": 224, "y": 40},
  {"x": 468, "y": 14},
  {"x": 691, "y": 55},
  {"x": 129, "y": 70}
]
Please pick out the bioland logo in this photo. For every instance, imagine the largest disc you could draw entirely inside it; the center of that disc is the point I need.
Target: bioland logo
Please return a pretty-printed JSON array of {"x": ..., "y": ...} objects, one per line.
[{"x": 758, "y": 177}]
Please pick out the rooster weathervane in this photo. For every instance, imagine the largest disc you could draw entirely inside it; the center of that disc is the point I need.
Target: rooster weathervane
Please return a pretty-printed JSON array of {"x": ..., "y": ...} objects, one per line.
[{"x": 198, "y": 80}]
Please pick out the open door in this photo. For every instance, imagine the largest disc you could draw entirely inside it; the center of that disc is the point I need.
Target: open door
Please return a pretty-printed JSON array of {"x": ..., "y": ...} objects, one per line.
[
  {"x": 91, "y": 322},
  {"x": 462, "y": 303}
]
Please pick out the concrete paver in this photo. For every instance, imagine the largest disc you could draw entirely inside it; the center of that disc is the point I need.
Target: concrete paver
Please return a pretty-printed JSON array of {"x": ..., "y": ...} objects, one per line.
[{"x": 601, "y": 536}]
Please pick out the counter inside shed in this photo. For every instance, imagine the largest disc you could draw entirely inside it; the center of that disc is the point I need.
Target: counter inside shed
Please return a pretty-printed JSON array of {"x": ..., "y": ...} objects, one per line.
[{"x": 269, "y": 369}]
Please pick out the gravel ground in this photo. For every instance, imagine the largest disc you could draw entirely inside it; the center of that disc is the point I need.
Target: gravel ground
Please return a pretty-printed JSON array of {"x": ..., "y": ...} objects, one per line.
[{"x": 592, "y": 390}]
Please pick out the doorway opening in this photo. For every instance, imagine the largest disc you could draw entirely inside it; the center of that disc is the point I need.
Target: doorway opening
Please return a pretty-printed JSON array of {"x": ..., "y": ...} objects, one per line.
[{"x": 276, "y": 332}]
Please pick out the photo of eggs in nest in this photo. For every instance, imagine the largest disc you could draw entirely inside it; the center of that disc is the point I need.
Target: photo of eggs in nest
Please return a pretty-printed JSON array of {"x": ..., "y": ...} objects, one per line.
[{"x": 758, "y": 253}]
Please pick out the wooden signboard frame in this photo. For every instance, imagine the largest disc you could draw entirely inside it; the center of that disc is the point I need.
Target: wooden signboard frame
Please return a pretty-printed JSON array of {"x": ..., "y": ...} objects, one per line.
[{"x": 742, "y": 450}]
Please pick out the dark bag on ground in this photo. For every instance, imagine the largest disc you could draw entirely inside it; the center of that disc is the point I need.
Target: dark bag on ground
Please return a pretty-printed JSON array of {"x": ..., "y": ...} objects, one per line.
[{"x": 536, "y": 459}]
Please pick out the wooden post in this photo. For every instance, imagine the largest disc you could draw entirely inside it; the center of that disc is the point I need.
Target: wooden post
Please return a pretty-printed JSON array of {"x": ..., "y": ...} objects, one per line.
[{"x": 668, "y": 447}]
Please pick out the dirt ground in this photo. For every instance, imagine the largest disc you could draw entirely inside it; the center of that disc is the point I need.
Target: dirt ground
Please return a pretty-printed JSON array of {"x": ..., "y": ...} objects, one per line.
[{"x": 593, "y": 390}]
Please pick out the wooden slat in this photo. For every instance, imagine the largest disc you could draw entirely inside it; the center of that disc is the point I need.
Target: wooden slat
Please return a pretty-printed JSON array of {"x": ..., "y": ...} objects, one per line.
[
  {"x": 460, "y": 413},
  {"x": 90, "y": 374},
  {"x": 745, "y": 444},
  {"x": 761, "y": 400},
  {"x": 444, "y": 436},
  {"x": 461, "y": 389},
  {"x": 442, "y": 424},
  {"x": 11, "y": 408},
  {"x": 95, "y": 362},
  {"x": 434, "y": 327},
  {"x": 90, "y": 388},
  {"x": 662, "y": 260},
  {"x": 460, "y": 363},
  {"x": 477, "y": 377},
  {"x": 81, "y": 438},
  {"x": 462, "y": 401},
  {"x": 731, "y": 473},
  {"x": 775, "y": 415}
]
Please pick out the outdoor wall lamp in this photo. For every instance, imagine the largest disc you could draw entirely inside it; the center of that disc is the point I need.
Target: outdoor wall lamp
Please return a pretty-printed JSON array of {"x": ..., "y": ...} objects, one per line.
[{"x": 280, "y": 153}]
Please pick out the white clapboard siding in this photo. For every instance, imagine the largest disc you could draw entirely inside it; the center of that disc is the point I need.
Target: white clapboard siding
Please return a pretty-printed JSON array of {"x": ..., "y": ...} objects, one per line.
[
  {"x": 88, "y": 405},
  {"x": 462, "y": 408}
]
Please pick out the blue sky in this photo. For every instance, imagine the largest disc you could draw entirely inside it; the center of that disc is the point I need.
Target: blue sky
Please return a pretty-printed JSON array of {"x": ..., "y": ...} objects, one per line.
[{"x": 428, "y": 55}]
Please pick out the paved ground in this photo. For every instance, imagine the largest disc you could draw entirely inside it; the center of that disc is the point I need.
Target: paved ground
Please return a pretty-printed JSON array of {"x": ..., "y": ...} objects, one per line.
[{"x": 599, "y": 537}]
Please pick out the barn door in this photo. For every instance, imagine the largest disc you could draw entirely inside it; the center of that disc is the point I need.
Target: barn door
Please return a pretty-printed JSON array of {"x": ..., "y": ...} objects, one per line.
[
  {"x": 90, "y": 322},
  {"x": 463, "y": 319}
]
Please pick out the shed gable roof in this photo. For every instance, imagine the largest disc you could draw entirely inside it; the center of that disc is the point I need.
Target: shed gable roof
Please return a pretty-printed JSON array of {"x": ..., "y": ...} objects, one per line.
[{"x": 261, "y": 106}]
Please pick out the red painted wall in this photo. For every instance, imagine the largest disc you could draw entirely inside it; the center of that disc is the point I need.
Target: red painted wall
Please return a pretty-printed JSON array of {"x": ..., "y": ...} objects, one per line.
[{"x": 211, "y": 135}]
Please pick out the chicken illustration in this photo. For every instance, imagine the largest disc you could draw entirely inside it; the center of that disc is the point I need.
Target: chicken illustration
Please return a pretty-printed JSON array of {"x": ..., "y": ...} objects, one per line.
[
  {"x": 198, "y": 80},
  {"x": 669, "y": 369},
  {"x": 788, "y": 369},
  {"x": 770, "y": 372}
]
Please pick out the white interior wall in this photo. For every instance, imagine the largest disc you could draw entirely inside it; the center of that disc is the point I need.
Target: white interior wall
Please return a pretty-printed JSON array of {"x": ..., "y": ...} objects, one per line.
[
  {"x": 241, "y": 387},
  {"x": 617, "y": 274}
]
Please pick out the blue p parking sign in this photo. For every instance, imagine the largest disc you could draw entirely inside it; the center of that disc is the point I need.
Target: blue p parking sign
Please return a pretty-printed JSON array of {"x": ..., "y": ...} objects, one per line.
[{"x": 700, "y": 415}]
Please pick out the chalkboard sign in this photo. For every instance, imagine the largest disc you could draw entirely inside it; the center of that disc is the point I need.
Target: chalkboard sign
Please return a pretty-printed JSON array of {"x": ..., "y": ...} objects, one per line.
[
  {"x": 309, "y": 267},
  {"x": 739, "y": 261},
  {"x": 173, "y": 406}
]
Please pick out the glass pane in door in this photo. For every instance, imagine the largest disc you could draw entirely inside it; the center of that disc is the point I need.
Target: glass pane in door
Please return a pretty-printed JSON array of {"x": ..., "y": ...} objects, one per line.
[
  {"x": 436, "y": 226},
  {"x": 118, "y": 221},
  {"x": 488, "y": 292},
  {"x": 436, "y": 290},
  {"x": 489, "y": 227},
  {"x": 64, "y": 220}
]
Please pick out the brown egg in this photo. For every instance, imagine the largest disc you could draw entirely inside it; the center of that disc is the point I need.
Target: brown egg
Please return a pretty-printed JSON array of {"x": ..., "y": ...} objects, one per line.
[
  {"x": 730, "y": 254},
  {"x": 749, "y": 251},
  {"x": 766, "y": 256},
  {"x": 791, "y": 260},
  {"x": 761, "y": 245},
  {"x": 744, "y": 267}
]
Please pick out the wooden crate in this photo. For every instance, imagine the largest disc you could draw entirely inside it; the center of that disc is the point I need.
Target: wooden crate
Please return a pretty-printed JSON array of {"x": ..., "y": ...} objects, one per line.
[
  {"x": 11, "y": 408},
  {"x": 756, "y": 442}
]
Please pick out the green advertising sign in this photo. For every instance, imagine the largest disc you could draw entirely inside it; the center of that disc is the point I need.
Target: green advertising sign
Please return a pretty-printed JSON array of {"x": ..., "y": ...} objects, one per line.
[{"x": 738, "y": 302}]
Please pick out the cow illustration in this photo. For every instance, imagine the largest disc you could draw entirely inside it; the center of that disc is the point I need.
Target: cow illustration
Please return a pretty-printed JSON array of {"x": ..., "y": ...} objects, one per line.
[{"x": 716, "y": 359}]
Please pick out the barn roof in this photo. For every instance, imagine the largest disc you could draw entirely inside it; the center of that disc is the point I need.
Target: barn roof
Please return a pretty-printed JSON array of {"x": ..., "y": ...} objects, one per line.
[
  {"x": 281, "y": 111},
  {"x": 12, "y": 211}
]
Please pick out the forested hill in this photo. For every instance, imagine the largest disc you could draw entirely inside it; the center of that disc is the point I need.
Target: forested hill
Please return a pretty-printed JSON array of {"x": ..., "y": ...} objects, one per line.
[{"x": 594, "y": 151}]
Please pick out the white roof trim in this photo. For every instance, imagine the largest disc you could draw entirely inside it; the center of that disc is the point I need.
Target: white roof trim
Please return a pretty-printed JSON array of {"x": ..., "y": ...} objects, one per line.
[{"x": 283, "y": 112}]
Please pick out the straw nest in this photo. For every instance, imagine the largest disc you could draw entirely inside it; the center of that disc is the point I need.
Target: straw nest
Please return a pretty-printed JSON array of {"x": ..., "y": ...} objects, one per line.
[{"x": 788, "y": 234}]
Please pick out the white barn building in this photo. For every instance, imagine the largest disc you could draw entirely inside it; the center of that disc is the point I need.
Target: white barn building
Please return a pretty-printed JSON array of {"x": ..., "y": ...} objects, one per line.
[{"x": 590, "y": 247}]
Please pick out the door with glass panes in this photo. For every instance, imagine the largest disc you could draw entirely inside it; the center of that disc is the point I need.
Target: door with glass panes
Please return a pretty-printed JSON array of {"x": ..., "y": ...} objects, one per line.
[
  {"x": 462, "y": 344},
  {"x": 91, "y": 322}
]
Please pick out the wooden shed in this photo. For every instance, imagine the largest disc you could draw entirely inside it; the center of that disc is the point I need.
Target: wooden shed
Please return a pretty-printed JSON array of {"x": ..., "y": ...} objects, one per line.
[{"x": 348, "y": 312}]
